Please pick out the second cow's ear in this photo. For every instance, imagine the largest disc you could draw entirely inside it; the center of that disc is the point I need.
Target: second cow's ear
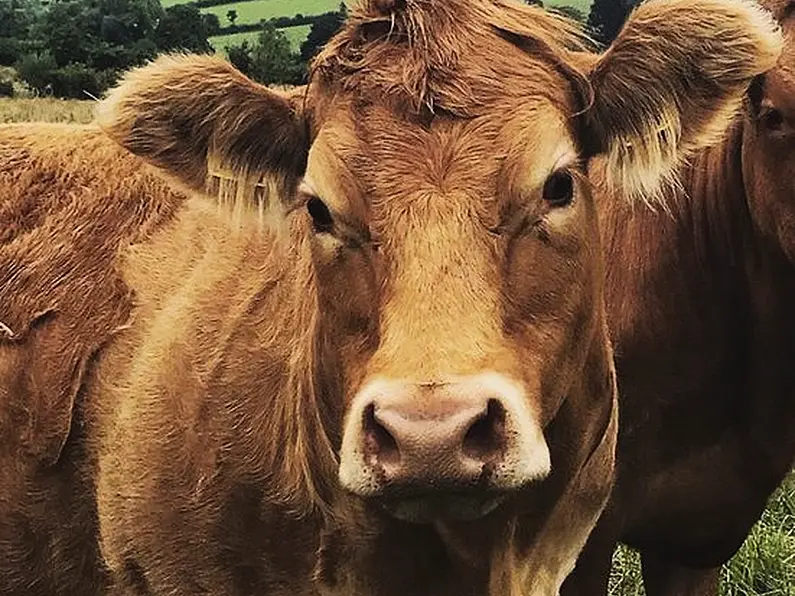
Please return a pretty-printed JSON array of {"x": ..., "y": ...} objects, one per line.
[
  {"x": 671, "y": 83},
  {"x": 178, "y": 112}
]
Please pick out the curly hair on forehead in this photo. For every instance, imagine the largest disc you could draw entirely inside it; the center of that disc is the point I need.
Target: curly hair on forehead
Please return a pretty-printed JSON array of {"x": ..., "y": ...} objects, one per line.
[{"x": 436, "y": 54}]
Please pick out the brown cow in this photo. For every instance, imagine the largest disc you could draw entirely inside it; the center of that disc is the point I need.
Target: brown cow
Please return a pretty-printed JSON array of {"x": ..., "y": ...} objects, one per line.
[
  {"x": 700, "y": 310},
  {"x": 404, "y": 384}
]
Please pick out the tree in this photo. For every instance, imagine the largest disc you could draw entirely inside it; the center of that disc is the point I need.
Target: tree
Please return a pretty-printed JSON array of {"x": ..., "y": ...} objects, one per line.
[
  {"x": 17, "y": 18},
  {"x": 240, "y": 57},
  {"x": 323, "y": 29},
  {"x": 607, "y": 17},
  {"x": 183, "y": 28},
  {"x": 125, "y": 22},
  {"x": 212, "y": 25},
  {"x": 269, "y": 60},
  {"x": 71, "y": 31},
  {"x": 231, "y": 15},
  {"x": 103, "y": 34}
]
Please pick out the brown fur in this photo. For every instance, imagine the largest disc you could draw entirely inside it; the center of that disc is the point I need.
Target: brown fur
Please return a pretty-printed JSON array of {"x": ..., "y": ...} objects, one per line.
[
  {"x": 699, "y": 303},
  {"x": 63, "y": 215},
  {"x": 209, "y": 425}
]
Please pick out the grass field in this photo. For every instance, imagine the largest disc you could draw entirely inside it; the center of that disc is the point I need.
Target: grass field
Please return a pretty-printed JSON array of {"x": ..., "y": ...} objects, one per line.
[
  {"x": 764, "y": 566},
  {"x": 46, "y": 110},
  {"x": 582, "y": 5},
  {"x": 253, "y": 11},
  {"x": 296, "y": 35}
]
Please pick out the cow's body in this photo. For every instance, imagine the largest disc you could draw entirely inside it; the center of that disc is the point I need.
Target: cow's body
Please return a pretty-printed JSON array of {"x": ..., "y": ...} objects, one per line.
[
  {"x": 391, "y": 374},
  {"x": 61, "y": 222},
  {"x": 699, "y": 303}
]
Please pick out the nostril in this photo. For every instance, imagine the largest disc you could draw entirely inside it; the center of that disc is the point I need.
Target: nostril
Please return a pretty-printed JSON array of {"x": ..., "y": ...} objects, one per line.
[
  {"x": 485, "y": 439},
  {"x": 379, "y": 444}
]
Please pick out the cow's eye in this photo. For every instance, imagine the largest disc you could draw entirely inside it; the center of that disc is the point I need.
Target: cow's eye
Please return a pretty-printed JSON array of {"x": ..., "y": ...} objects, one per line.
[
  {"x": 559, "y": 189},
  {"x": 772, "y": 120},
  {"x": 321, "y": 216}
]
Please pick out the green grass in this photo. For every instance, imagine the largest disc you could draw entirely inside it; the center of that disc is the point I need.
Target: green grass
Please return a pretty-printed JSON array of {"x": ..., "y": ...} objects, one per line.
[
  {"x": 219, "y": 42},
  {"x": 296, "y": 35},
  {"x": 254, "y": 11},
  {"x": 764, "y": 566},
  {"x": 583, "y": 6}
]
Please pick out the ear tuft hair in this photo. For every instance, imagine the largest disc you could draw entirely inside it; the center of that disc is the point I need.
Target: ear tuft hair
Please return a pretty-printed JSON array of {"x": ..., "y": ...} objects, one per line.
[
  {"x": 186, "y": 114},
  {"x": 672, "y": 82}
]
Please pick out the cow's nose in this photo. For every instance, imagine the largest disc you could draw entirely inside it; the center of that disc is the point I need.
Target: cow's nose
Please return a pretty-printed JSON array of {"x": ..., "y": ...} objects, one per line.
[
  {"x": 468, "y": 437},
  {"x": 451, "y": 443}
]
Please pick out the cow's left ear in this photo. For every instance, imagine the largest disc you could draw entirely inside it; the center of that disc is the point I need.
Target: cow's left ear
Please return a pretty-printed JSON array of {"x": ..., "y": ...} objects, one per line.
[
  {"x": 671, "y": 83},
  {"x": 180, "y": 111}
]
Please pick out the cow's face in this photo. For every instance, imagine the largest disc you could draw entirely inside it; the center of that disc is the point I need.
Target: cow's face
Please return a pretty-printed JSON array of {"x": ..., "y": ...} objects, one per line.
[
  {"x": 436, "y": 164},
  {"x": 460, "y": 264},
  {"x": 769, "y": 145}
]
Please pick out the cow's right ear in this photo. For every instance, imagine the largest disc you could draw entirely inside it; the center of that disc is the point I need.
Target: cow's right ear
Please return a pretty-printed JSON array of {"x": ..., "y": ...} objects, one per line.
[{"x": 180, "y": 111}]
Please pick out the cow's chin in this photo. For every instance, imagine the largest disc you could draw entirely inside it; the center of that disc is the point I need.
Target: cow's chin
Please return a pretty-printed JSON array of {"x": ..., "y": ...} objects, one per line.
[{"x": 427, "y": 509}]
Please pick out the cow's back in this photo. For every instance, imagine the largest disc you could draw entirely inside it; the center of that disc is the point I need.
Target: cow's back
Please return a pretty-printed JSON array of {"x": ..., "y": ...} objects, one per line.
[{"x": 69, "y": 199}]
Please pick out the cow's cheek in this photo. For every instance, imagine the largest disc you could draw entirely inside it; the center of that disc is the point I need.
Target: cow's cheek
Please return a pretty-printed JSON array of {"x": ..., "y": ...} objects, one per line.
[
  {"x": 348, "y": 308},
  {"x": 548, "y": 316}
]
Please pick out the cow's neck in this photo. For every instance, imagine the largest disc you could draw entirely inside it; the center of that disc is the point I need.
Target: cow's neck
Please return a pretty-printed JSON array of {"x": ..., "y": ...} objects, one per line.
[
  {"x": 678, "y": 312},
  {"x": 676, "y": 274},
  {"x": 770, "y": 411},
  {"x": 700, "y": 310}
]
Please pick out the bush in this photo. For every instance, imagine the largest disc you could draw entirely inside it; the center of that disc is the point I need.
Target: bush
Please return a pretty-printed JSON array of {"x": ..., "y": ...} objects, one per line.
[
  {"x": 77, "y": 81},
  {"x": 240, "y": 57},
  {"x": 73, "y": 81},
  {"x": 6, "y": 89},
  {"x": 36, "y": 71}
]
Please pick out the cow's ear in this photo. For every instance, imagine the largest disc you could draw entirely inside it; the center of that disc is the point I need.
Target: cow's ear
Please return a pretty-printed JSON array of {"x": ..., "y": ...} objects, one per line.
[
  {"x": 180, "y": 112},
  {"x": 671, "y": 83}
]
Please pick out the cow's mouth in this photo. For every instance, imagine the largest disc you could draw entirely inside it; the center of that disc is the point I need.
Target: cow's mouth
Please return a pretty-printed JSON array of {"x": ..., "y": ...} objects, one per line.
[{"x": 426, "y": 509}]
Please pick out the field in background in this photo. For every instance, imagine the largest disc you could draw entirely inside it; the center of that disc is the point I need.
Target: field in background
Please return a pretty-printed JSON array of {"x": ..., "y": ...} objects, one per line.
[
  {"x": 253, "y": 11},
  {"x": 764, "y": 566},
  {"x": 296, "y": 35},
  {"x": 47, "y": 110}
]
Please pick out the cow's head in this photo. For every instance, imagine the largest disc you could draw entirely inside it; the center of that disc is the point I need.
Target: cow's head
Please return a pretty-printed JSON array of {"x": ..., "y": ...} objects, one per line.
[
  {"x": 436, "y": 167},
  {"x": 769, "y": 140}
]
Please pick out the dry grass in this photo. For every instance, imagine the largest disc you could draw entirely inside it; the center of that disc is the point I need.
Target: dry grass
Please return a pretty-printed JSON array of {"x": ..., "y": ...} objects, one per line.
[{"x": 46, "y": 110}]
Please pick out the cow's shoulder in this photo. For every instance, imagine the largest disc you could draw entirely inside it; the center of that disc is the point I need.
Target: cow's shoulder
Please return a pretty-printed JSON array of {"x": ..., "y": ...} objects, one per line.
[{"x": 70, "y": 200}]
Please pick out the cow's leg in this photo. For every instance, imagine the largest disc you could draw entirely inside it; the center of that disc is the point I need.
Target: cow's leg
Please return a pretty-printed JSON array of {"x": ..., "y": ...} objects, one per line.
[{"x": 665, "y": 578}]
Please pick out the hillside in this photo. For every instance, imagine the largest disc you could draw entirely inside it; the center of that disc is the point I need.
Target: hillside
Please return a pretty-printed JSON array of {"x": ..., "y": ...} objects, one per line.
[{"x": 253, "y": 11}]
